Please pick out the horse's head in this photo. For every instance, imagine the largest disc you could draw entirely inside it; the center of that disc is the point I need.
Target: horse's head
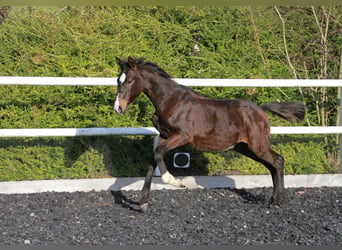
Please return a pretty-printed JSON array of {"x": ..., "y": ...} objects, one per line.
[{"x": 129, "y": 84}]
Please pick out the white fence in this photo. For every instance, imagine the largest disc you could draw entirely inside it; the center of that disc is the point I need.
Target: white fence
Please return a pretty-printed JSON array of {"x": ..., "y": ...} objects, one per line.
[
  {"x": 82, "y": 81},
  {"x": 96, "y": 81},
  {"x": 60, "y": 132}
]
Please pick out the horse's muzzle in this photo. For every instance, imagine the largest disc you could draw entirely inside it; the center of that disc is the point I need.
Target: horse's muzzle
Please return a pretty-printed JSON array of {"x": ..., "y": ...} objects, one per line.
[
  {"x": 119, "y": 110},
  {"x": 117, "y": 106}
]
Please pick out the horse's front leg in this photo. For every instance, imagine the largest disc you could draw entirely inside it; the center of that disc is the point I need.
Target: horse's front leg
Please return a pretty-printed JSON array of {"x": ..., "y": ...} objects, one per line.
[
  {"x": 163, "y": 131},
  {"x": 145, "y": 193},
  {"x": 164, "y": 145}
]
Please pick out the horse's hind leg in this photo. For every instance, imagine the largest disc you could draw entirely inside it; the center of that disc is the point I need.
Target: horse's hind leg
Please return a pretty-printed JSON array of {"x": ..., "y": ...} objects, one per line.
[
  {"x": 277, "y": 172},
  {"x": 275, "y": 163}
]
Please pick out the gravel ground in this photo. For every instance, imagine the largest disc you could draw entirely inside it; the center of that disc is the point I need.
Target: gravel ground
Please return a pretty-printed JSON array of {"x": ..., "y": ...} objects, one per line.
[{"x": 311, "y": 216}]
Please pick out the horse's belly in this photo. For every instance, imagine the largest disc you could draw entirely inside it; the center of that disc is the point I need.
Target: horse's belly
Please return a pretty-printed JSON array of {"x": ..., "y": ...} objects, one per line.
[{"x": 220, "y": 143}]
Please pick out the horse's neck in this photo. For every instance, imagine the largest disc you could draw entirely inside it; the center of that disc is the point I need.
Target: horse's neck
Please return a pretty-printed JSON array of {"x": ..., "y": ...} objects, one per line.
[{"x": 160, "y": 91}]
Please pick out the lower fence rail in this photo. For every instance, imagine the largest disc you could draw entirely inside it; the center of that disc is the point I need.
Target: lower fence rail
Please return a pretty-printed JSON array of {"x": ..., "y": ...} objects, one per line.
[{"x": 60, "y": 132}]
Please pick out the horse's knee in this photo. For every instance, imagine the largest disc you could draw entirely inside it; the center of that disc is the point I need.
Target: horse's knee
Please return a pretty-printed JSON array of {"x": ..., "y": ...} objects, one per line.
[
  {"x": 158, "y": 157},
  {"x": 277, "y": 162},
  {"x": 280, "y": 162}
]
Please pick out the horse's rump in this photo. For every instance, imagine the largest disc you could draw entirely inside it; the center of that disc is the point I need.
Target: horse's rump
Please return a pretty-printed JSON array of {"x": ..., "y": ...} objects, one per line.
[{"x": 217, "y": 125}]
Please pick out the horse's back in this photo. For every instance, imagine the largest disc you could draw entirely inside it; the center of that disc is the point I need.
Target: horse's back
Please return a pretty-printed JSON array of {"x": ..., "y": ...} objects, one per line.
[{"x": 236, "y": 110}]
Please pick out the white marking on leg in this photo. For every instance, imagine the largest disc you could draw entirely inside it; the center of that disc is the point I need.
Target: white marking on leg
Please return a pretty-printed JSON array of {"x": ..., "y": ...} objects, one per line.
[
  {"x": 122, "y": 78},
  {"x": 144, "y": 207},
  {"x": 117, "y": 104},
  {"x": 229, "y": 148},
  {"x": 170, "y": 179}
]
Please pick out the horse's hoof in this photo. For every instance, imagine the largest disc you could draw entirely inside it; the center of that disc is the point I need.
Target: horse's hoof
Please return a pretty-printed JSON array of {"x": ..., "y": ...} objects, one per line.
[
  {"x": 178, "y": 183},
  {"x": 274, "y": 205},
  {"x": 182, "y": 185},
  {"x": 276, "y": 201},
  {"x": 143, "y": 207}
]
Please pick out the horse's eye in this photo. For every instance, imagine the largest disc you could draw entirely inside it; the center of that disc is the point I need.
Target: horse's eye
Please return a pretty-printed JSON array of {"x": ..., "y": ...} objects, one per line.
[{"x": 130, "y": 81}]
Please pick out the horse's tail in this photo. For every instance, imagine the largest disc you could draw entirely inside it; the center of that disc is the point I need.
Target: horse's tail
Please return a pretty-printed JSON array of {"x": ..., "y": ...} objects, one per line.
[{"x": 288, "y": 110}]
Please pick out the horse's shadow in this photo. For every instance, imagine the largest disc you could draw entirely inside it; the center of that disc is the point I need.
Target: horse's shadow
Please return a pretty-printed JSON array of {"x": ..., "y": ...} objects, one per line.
[
  {"x": 260, "y": 198},
  {"x": 123, "y": 201},
  {"x": 132, "y": 205},
  {"x": 121, "y": 155},
  {"x": 255, "y": 197}
]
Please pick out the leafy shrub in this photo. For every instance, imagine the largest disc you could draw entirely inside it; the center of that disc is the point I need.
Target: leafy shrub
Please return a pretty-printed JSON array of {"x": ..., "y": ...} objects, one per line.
[{"x": 81, "y": 157}]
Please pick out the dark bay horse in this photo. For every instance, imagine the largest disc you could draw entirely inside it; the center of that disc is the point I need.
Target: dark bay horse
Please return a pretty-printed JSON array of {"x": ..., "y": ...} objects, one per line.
[{"x": 184, "y": 117}]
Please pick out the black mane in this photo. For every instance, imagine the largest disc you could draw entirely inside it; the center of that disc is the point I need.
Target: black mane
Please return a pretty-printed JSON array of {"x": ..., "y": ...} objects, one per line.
[{"x": 152, "y": 67}]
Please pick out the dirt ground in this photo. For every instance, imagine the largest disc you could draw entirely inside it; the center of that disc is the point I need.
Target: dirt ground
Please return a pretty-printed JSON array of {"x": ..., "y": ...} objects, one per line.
[{"x": 310, "y": 216}]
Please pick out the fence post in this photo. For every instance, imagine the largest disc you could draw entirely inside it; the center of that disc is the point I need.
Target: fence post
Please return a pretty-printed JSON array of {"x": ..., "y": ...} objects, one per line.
[
  {"x": 340, "y": 124},
  {"x": 340, "y": 111},
  {"x": 155, "y": 143}
]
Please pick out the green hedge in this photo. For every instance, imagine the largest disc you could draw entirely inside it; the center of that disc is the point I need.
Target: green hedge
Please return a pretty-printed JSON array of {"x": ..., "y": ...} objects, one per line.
[
  {"x": 78, "y": 157},
  {"x": 121, "y": 156}
]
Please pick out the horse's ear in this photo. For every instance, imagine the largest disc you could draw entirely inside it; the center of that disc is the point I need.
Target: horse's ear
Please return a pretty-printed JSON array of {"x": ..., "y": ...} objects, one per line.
[
  {"x": 118, "y": 60},
  {"x": 131, "y": 63}
]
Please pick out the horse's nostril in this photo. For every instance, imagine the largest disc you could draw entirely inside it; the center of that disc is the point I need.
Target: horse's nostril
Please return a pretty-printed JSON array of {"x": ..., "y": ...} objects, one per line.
[{"x": 118, "y": 109}]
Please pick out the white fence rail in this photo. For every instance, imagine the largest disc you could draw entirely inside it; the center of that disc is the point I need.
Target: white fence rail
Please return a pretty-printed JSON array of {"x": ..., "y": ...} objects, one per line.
[
  {"x": 69, "y": 132},
  {"x": 58, "y": 132},
  {"x": 96, "y": 81}
]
